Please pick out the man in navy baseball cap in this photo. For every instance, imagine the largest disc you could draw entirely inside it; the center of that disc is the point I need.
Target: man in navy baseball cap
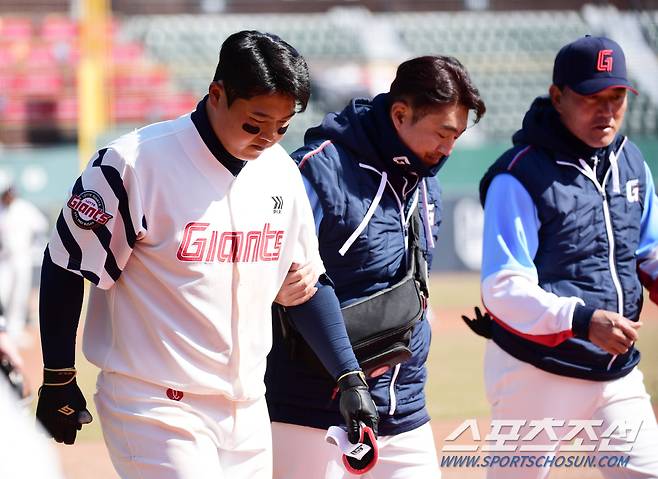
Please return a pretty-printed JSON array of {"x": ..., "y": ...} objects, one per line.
[
  {"x": 589, "y": 90},
  {"x": 591, "y": 64},
  {"x": 570, "y": 238}
]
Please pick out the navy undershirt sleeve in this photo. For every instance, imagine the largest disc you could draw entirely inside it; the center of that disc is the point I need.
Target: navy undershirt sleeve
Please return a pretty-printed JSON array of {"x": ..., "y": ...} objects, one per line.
[
  {"x": 582, "y": 316},
  {"x": 321, "y": 324},
  {"x": 60, "y": 304}
]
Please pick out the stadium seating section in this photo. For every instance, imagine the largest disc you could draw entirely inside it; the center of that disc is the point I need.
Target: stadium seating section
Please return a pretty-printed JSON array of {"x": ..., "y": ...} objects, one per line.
[
  {"x": 162, "y": 63},
  {"x": 38, "y": 79}
]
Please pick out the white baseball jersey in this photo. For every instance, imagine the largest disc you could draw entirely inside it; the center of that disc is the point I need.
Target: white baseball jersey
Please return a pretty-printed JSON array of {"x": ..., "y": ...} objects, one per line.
[
  {"x": 20, "y": 222},
  {"x": 187, "y": 258}
]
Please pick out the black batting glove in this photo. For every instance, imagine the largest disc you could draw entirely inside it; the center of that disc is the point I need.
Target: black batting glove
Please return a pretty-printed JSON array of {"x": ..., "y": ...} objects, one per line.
[
  {"x": 356, "y": 405},
  {"x": 62, "y": 409},
  {"x": 481, "y": 325}
]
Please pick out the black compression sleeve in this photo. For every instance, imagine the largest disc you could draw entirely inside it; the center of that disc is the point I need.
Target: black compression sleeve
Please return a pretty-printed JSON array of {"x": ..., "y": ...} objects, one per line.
[
  {"x": 60, "y": 304},
  {"x": 321, "y": 324}
]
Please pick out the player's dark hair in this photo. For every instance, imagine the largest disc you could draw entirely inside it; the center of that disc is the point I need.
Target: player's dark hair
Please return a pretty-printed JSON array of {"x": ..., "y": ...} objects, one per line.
[
  {"x": 252, "y": 63},
  {"x": 430, "y": 81}
]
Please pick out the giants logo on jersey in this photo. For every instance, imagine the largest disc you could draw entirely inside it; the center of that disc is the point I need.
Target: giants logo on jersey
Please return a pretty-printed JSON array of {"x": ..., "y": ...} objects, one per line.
[
  {"x": 200, "y": 244},
  {"x": 88, "y": 210}
]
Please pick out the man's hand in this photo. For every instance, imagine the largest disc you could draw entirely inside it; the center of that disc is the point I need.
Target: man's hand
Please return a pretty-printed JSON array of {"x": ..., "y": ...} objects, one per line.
[
  {"x": 62, "y": 408},
  {"x": 612, "y": 332},
  {"x": 299, "y": 285},
  {"x": 356, "y": 405}
]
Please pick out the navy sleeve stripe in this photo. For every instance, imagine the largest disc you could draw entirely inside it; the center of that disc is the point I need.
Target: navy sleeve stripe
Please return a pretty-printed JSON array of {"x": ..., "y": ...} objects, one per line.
[
  {"x": 89, "y": 276},
  {"x": 99, "y": 160},
  {"x": 71, "y": 246},
  {"x": 73, "y": 249},
  {"x": 104, "y": 236},
  {"x": 113, "y": 178},
  {"x": 77, "y": 187},
  {"x": 102, "y": 233}
]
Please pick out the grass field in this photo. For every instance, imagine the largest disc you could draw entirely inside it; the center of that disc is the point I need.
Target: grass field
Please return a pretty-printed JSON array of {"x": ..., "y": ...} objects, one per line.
[{"x": 455, "y": 389}]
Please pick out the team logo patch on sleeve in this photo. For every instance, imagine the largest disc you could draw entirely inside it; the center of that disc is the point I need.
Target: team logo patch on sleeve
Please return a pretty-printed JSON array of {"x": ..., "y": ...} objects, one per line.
[{"x": 88, "y": 210}]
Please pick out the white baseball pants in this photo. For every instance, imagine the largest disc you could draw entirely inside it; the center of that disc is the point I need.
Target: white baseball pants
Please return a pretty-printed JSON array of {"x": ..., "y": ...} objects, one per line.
[
  {"x": 155, "y": 433},
  {"x": 301, "y": 453},
  {"x": 518, "y": 390}
]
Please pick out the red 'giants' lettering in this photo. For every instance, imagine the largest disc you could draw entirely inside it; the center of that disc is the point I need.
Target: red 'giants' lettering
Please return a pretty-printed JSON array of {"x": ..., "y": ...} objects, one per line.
[
  {"x": 91, "y": 210},
  {"x": 201, "y": 244}
]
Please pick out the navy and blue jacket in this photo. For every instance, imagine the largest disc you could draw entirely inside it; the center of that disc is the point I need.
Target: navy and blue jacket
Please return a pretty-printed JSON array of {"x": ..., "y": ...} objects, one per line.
[
  {"x": 363, "y": 184},
  {"x": 568, "y": 229}
]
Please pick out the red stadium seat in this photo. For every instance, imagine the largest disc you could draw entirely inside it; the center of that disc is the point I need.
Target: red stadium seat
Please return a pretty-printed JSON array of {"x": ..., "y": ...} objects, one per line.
[
  {"x": 16, "y": 28},
  {"x": 54, "y": 28},
  {"x": 176, "y": 104},
  {"x": 41, "y": 56},
  {"x": 129, "y": 109},
  {"x": 46, "y": 83},
  {"x": 127, "y": 53},
  {"x": 67, "y": 109},
  {"x": 14, "y": 111}
]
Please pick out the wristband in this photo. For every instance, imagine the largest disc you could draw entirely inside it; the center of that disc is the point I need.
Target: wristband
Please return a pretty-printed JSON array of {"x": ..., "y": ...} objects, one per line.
[{"x": 58, "y": 377}]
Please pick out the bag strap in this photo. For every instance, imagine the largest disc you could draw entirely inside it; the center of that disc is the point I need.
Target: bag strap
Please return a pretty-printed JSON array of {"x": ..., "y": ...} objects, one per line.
[{"x": 418, "y": 264}]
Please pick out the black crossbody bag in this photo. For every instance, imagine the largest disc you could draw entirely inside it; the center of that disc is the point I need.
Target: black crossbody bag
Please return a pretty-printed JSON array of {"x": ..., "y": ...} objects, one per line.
[{"x": 379, "y": 326}]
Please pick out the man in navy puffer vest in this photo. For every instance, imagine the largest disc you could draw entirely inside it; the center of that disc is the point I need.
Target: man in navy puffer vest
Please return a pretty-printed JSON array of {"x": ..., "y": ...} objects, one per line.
[
  {"x": 570, "y": 236},
  {"x": 366, "y": 170}
]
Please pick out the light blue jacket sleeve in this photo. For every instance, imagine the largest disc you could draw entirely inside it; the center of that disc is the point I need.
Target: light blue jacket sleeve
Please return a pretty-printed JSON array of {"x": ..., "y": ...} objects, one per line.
[
  {"x": 649, "y": 226},
  {"x": 647, "y": 251},
  {"x": 510, "y": 284},
  {"x": 510, "y": 228}
]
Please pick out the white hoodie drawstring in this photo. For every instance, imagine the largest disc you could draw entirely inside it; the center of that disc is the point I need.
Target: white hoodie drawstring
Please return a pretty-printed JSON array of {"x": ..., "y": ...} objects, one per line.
[
  {"x": 614, "y": 164},
  {"x": 429, "y": 239},
  {"x": 373, "y": 206},
  {"x": 366, "y": 218}
]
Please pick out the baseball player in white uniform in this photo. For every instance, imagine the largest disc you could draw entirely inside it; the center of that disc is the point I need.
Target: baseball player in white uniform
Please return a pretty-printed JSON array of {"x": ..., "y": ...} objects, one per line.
[
  {"x": 20, "y": 223},
  {"x": 187, "y": 229}
]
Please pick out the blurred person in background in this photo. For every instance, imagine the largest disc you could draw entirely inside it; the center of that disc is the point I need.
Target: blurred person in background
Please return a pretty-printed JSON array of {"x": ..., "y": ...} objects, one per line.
[
  {"x": 11, "y": 362},
  {"x": 20, "y": 224},
  {"x": 570, "y": 238},
  {"x": 370, "y": 174},
  {"x": 20, "y": 439},
  {"x": 25, "y": 451}
]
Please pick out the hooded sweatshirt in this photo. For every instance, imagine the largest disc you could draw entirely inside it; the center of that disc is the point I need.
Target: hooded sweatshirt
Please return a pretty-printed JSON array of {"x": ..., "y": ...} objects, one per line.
[{"x": 364, "y": 184}]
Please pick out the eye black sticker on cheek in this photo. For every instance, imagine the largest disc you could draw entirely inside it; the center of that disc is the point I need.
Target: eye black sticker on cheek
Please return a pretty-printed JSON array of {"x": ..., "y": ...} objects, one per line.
[
  {"x": 251, "y": 129},
  {"x": 282, "y": 130}
]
